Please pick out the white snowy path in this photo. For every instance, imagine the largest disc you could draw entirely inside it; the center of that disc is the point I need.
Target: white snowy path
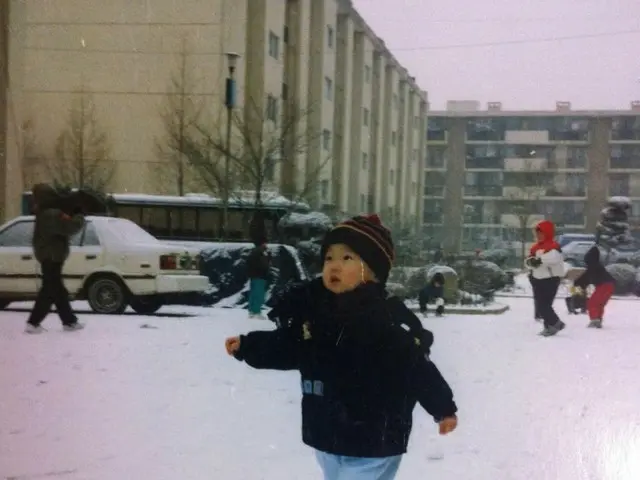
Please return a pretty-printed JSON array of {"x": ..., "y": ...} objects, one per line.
[{"x": 119, "y": 402}]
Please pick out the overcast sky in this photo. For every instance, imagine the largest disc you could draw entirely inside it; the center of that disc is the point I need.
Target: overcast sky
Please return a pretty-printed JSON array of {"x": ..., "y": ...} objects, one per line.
[{"x": 570, "y": 50}]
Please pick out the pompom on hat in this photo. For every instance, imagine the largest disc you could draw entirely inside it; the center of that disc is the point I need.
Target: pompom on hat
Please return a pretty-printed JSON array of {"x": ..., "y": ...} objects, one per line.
[{"x": 366, "y": 236}]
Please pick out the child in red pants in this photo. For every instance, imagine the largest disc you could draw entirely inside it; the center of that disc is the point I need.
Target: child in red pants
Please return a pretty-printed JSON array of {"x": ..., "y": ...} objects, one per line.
[{"x": 604, "y": 284}]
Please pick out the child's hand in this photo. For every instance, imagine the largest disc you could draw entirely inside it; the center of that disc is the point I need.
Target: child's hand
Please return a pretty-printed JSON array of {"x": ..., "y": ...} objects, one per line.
[
  {"x": 232, "y": 344},
  {"x": 448, "y": 425}
]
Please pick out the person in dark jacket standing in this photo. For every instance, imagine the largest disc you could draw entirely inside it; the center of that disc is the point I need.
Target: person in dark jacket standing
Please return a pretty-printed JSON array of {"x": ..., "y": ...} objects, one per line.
[
  {"x": 433, "y": 292},
  {"x": 51, "y": 234},
  {"x": 596, "y": 275},
  {"x": 258, "y": 265},
  {"x": 361, "y": 372}
]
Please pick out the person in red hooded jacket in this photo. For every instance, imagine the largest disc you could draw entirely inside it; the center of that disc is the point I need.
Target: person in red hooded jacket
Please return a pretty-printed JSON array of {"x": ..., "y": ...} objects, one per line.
[{"x": 546, "y": 264}]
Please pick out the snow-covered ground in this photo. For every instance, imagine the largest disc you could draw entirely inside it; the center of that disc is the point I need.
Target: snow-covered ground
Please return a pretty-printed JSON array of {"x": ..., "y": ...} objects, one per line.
[{"x": 118, "y": 402}]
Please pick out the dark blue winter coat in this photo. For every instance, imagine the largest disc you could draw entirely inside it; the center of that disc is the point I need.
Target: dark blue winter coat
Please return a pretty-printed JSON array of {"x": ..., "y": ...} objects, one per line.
[{"x": 361, "y": 372}]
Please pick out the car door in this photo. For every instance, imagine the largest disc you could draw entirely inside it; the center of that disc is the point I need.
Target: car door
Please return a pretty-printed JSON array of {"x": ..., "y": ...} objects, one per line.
[
  {"x": 85, "y": 256},
  {"x": 19, "y": 269}
]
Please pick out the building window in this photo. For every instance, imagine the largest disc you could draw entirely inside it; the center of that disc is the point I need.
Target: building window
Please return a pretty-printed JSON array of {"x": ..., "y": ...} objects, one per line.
[
  {"x": 436, "y": 157},
  {"x": 274, "y": 45},
  {"x": 329, "y": 36},
  {"x": 365, "y": 161},
  {"x": 328, "y": 88},
  {"x": 414, "y": 188},
  {"x": 326, "y": 139},
  {"x": 285, "y": 91},
  {"x": 393, "y": 138},
  {"x": 626, "y": 128},
  {"x": 272, "y": 108},
  {"x": 437, "y": 129},
  {"x": 363, "y": 202},
  {"x": 392, "y": 174},
  {"x": 415, "y": 155},
  {"x": 367, "y": 73},
  {"x": 365, "y": 117},
  {"x": 624, "y": 157}
]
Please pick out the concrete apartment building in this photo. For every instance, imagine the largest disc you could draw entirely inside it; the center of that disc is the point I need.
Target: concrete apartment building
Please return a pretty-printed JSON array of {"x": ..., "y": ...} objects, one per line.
[
  {"x": 482, "y": 163},
  {"x": 317, "y": 61}
]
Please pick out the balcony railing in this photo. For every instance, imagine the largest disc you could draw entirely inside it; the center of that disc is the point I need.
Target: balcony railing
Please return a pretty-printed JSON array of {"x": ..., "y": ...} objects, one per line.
[
  {"x": 482, "y": 191},
  {"x": 434, "y": 190}
]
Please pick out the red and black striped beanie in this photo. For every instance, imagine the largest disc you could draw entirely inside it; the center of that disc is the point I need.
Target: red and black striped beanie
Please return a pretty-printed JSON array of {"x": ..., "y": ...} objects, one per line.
[{"x": 366, "y": 236}]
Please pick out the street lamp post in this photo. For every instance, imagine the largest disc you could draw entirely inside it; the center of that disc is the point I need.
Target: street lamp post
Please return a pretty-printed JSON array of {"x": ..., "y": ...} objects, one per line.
[{"x": 229, "y": 102}]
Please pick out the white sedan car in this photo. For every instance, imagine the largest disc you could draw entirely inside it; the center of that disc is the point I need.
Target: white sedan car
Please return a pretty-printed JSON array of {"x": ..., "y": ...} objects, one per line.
[{"x": 113, "y": 263}]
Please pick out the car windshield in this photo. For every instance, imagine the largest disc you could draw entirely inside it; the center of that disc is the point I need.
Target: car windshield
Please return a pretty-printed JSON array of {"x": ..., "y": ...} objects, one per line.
[{"x": 123, "y": 230}]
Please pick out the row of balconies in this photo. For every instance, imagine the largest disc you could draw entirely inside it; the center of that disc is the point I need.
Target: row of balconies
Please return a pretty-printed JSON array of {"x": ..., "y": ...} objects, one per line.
[
  {"x": 506, "y": 220},
  {"x": 509, "y": 192},
  {"x": 528, "y": 137}
]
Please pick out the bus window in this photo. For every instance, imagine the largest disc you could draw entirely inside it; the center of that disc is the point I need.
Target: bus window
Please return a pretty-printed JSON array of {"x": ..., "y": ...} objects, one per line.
[
  {"x": 238, "y": 224},
  {"x": 155, "y": 220},
  {"x": 130, "y": 213},
  {"x": 183, "y": 223},
  {"x": 209, "y": 221}
]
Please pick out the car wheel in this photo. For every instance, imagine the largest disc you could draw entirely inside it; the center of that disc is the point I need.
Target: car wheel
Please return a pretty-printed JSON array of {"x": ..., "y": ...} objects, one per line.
[
  {"x": 107, "y": 294},
  {"x": 146, "y": 304},
  {"x": 4, "y": 304}
]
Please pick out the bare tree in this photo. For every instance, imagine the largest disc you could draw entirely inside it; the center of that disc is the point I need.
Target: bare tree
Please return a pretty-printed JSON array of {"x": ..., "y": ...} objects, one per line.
[
  {"x": 180, "y": 115},
  {"x": 525, "y": 189},
  {"x": 82, "y": 157},
  {"x": 262, "y": 141}
]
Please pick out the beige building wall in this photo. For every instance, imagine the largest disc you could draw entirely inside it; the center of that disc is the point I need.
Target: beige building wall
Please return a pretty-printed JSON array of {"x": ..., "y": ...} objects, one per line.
[
  {"x": 365, "y": 123},
  {"x": 295, "y": 98},
  {"x": 343, "y": 113},
  {"x": 380, "y": 130},
  {"x": 120, "y": 57},
  {"x": 322, "y": 94}
]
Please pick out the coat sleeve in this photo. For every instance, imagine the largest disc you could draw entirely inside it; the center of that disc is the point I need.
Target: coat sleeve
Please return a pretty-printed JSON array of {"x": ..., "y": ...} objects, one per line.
[
  {"x": 59, "y": 223},
  {"x": 432, "y": 390},
  {"x": 552, "y": 257},
  {"x": 273, "y": 350}
]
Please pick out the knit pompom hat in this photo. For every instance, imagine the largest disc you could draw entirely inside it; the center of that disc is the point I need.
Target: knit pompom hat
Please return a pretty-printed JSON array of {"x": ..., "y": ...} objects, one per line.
[{"x": 366, "y": 236}]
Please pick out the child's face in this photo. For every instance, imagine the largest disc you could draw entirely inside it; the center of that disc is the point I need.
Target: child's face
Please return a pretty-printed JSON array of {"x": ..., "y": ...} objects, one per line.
[
  {"x": 344, "y": 270},
  {"x": 539, "y": 235}
]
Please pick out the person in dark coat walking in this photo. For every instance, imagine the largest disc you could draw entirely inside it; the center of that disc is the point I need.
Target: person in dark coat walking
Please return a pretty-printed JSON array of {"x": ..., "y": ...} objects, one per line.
[
  {"x": 604, "y": 283},
  {"x": 361, "y": 371},
  {"x": 51, "y": 234}
]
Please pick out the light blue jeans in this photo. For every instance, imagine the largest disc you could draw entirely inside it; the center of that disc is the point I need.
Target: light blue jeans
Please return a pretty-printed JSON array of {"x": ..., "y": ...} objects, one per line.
[{"x": 336, "y": 467}]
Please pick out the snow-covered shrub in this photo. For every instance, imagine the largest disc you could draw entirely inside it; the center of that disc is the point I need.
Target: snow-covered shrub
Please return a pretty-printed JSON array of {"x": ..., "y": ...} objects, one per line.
[
  {"x": 305, "y": 231},
  {"x": 625, "y": 277},
  {"x": 226, "y": 266},
  {"x": 480, "y": 276},
  {"x": 397, "y": 290},
  {"x": 613, "y": 228},
  {"x": 499, "y": 256}
]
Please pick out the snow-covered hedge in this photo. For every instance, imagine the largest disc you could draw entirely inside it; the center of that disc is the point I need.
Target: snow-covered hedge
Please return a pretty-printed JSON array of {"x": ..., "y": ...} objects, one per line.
[
  {"x": 479, "y": 276},
  {"x": 625, "y": 277},
  {"x": 226, "y": 266}
]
